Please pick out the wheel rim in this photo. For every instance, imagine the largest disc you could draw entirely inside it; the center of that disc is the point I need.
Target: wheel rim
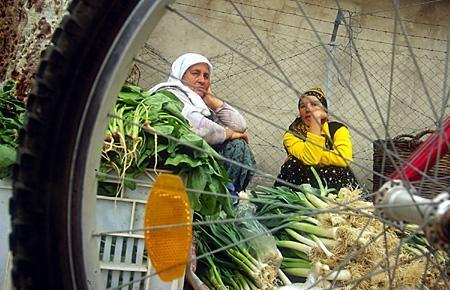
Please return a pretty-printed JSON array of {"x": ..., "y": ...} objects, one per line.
[
  {"x": 111, "y": 78},
  {"x": 101, "y": 100},
  {"x": 395, "y": 159}
]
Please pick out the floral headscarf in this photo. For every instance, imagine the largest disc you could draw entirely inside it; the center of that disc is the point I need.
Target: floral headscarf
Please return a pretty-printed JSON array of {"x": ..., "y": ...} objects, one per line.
[
  {"x": 298, "y": 126},
  {"x": 319, "y": 94}
]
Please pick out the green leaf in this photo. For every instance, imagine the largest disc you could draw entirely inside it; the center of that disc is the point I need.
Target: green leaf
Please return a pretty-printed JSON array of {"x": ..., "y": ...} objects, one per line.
[
  {"x": 156, "y": 101},
  {"x": 200, "y": 154},
  {"x": 175, "y": 109},
  {"x": 194, "y": 197},
  {"x": 129, "y": 98},
  {"x": 7, "y": 139},
  {"x": 162, "y": 147},
  {"x": 7, "y": 159},
  {"x": 7, "y": 155},
  {"x": 227, "y": 202},
  {"x": 131, "y": 88},
  {"x": 108, "y": 189},
  {"x": 209, "y": 201},
  {"x": 130, "y": 184},
  {"x": 198, "y": 178},
  {"x": 179, "y": 159},
  {"x": 144, "y": 157},
  {"x": 5, "y": 172},
  {"x": 162, "y": 130},
  {"x": 214, "y": 168},
  {"x": 172, "y": 146},
  {"x": 193, "y": 139},
  {"x": 170, "y": 95}
]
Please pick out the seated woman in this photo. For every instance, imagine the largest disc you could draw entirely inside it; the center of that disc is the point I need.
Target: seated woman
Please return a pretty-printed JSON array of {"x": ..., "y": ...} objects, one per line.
[
  {"x": 221, "y": 125},
  {"x": 313, "y": 141}
]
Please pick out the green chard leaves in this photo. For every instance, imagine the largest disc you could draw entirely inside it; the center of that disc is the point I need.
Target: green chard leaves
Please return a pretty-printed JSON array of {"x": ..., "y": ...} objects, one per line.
[{"x": 148, "y": 129}]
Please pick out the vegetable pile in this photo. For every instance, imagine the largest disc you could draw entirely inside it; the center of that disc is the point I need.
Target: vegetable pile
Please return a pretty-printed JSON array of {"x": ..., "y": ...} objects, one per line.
[
  {"x": 149, "y": 131},
  {"x": 345, "y": 242},
  {"x": 327, "y": 239},
  {"x": 245, "y": 254},
  {"x": 12, "y": 113}
]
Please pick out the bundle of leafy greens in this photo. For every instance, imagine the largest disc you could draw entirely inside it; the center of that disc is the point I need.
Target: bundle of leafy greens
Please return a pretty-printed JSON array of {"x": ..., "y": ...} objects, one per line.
[
  {"x": 12, "y": 113},
  {"x": 148, "y": 130}
]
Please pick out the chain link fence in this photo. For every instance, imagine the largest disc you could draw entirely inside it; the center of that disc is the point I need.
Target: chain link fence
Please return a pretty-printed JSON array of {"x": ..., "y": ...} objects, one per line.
[{"x": 365, "y": 92}]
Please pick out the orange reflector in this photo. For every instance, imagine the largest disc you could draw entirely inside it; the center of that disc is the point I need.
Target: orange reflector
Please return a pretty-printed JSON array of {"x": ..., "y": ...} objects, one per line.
[{"x": 168, "y": 247}]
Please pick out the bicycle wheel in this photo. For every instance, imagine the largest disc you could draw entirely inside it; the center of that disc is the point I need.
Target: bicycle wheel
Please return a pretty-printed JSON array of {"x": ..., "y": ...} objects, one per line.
[
  {"x": 53, "y": 205},
  {"x": 50, "y": 243}
]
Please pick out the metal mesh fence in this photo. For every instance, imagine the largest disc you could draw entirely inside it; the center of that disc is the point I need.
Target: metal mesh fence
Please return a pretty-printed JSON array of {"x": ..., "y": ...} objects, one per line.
[{"x": 362, "y": 92}]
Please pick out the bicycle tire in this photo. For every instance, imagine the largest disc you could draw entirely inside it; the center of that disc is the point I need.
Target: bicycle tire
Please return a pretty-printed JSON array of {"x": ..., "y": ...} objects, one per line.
[
  {"x": 44, "y": 238},
  {"x": 47, "y": 244}
]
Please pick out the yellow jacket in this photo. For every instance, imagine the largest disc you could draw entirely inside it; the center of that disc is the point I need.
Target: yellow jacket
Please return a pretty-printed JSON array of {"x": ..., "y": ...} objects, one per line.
[{"x": 313, "y": 150}]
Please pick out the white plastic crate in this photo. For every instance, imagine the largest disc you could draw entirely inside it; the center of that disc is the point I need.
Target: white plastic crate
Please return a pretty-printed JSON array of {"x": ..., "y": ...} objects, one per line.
[
  {"x": 122, "y": 256},
  {"x": 5, "y": 228}
]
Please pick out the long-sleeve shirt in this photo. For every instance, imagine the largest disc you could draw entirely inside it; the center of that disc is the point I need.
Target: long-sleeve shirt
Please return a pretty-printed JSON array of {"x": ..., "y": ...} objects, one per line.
[
  {"x": 312, "y": 151},
  {"x": 212, "y": 128}
]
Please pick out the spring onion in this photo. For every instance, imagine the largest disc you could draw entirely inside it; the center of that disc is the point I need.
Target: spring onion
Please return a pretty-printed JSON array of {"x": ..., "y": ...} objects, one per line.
[{"x": 312, "y": 229}]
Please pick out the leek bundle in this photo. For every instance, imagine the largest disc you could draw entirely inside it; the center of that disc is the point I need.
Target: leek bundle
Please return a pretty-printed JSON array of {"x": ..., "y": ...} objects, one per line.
[
  {"x": 231, "y": 265},
  {"x": 340, "y": 240}
]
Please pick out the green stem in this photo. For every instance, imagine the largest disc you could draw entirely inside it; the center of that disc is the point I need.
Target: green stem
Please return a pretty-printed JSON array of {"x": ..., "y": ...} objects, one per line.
[
  {"x": 294, "y": 246},
  {"x": 317, "y": 202},
  {"x": 312, "y": 229},
  {"x": 298, "y": 272}
]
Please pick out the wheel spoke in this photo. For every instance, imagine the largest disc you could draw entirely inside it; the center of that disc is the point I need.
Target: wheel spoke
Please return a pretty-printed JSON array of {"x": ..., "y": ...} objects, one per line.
[{"x": 395, "y": 158}]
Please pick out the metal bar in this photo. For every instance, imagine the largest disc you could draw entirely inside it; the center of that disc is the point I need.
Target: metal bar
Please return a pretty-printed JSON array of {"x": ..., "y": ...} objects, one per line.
[{"x": 330, "y": 74}]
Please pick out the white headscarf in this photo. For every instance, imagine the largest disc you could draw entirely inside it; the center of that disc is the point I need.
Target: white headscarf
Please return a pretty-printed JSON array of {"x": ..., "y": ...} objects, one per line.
[{"x": 193, "y": 102}]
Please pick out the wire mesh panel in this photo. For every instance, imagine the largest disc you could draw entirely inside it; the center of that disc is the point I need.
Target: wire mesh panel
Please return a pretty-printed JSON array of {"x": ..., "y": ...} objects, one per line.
[
  {"x": 387, "y": 101},
  {"x": 363, "y": 94},
  {"x": 369, "y": 85},
  {"x": 268, "y": 104}
]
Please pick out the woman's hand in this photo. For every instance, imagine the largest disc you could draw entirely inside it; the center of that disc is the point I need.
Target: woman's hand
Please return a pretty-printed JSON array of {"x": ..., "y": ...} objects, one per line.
[
  {"x": 212, "y": 102},
  {"x": 319, "y": 117},
  {"x": 231, "y": 135}
]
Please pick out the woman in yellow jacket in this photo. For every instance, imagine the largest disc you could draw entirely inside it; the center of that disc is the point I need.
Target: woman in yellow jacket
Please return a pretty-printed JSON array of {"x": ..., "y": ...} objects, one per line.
[{"x": 312, "y": 141}]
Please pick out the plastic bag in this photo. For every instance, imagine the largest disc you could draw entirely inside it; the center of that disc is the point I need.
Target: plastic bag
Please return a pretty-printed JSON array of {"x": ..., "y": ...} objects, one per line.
[{"x": 261, "y": 242}]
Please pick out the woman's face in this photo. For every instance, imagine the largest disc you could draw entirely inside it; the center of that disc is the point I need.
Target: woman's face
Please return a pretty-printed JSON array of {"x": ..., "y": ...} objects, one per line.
[
  {"x": 308, "y": 105},
  {"x": 197, "y": 78}
]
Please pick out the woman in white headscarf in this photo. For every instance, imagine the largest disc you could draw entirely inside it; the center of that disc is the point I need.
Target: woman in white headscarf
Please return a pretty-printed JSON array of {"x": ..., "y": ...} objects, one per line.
[{"x": 211, "y": 118}]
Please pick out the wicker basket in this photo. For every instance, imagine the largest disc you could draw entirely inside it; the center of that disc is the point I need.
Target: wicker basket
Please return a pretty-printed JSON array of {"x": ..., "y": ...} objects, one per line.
[{"x": 404, "y": 145}]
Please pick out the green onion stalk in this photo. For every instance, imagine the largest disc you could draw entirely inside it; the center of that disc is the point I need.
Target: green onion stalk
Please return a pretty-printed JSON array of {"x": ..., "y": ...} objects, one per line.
[
  {"x": 303, "y": 233},
  {"x": 208, "y": 272},
  {"x": 217, "y": 236},
  {"x": 261, "y": 242}
]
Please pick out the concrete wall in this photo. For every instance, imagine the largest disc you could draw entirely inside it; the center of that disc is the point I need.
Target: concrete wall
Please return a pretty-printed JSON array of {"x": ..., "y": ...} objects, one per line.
[
  {"x": 26, "y": 30},
  {"x": 360, "y": 86}
]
